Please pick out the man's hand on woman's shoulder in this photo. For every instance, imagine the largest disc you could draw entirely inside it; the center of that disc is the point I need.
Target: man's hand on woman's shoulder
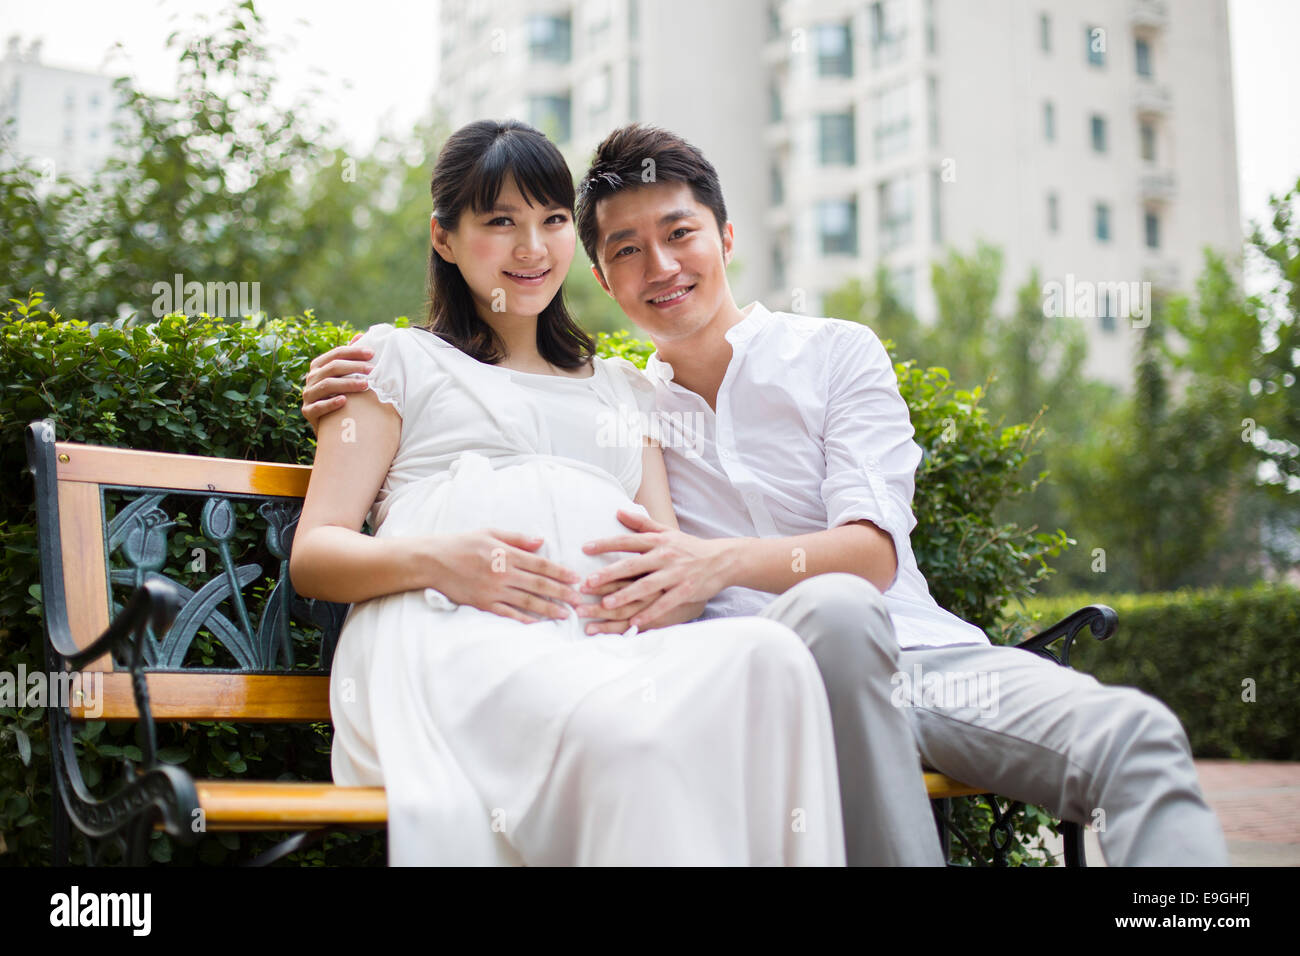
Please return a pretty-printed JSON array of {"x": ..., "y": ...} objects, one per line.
[{"x": 329, "y": 379}]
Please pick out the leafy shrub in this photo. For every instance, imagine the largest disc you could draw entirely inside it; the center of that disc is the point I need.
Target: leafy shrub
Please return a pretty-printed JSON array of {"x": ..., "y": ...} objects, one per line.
[{"x": 1227, "y": 662}]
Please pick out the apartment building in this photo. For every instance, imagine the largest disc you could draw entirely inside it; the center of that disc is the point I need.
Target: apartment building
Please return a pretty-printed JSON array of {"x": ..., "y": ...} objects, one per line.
[{"x": 1094, "y": 142}]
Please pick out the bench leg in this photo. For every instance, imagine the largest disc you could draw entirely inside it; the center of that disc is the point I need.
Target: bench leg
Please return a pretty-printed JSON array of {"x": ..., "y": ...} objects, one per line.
[
  {"x": 1072, "y": 835},
  {"x": 60, "y": 815},
  {"x": 941, "y": 809}
]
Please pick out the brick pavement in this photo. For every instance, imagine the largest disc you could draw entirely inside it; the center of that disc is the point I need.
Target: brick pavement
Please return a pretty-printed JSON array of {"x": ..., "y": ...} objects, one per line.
[{"x": 1258, "y": 805}]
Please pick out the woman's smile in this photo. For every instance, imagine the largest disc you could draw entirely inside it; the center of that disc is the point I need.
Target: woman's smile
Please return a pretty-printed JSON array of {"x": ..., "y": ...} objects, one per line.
[{"x": 529, "y": 278}]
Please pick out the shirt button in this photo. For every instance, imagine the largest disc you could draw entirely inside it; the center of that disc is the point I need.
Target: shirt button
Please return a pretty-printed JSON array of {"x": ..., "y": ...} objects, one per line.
[
  {"x": 751, "y": 497},
  {"x": 726, "y": 453}
]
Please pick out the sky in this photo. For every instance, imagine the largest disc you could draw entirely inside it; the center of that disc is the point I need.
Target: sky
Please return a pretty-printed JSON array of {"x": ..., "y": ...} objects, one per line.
[{"x": 376, "y": 63}]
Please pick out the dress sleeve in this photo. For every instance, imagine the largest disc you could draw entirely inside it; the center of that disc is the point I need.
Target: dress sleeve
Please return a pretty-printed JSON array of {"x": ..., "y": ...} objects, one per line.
[
  {"x": 871, "y": 458},
  {"x": 631, "y": 386},
  {"x": 388, "y": 378}
]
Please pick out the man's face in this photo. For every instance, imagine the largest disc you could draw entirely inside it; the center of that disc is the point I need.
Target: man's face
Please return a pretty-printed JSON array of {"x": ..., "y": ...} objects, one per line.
[{"x": 663, "y": 259}]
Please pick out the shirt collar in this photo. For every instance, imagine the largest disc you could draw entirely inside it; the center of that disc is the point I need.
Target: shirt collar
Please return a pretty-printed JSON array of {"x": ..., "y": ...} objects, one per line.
[{"x": 756, "y": 318}]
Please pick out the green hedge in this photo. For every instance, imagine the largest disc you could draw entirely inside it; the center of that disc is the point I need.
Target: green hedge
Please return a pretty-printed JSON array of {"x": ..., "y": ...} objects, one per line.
[
  {"x": 208, "y": 386},
  {"x": 1203, "y": 653}
]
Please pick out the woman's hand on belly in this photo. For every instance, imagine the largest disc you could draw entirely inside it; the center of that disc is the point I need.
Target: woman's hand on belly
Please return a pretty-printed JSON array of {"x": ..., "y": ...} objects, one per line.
[{"x": 496, "y": 571}]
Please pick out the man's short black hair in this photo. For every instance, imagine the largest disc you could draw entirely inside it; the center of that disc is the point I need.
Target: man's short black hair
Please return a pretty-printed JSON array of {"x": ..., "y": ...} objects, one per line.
[{"x": 637, "y": 155}]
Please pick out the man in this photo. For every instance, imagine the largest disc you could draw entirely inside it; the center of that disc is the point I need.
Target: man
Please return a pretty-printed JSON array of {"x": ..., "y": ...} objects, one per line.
[{"x": 800, "y": 484}]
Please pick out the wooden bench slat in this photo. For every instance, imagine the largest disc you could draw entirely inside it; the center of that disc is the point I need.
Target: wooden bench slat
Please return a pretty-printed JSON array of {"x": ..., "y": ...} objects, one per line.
[
  {"x": 280, "y": 698},
  {"x": 939, "y": 786},
  {"x": 95, "y": 464},
  {"x": 275, "y": 805},
  {"x": 271, "y": 805},
  {"x": 85, "y": 580}
]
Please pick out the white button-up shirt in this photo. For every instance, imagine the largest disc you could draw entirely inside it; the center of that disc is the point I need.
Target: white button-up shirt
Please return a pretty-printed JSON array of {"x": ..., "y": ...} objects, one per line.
[{"x": 810, "y": 433}]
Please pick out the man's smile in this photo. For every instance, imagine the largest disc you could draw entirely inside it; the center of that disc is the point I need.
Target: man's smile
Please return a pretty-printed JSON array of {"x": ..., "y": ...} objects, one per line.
[{"x": 671, "y": 297}]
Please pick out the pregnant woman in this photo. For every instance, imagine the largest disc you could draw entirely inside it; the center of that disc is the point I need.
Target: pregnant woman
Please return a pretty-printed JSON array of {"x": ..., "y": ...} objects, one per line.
[{"x": 487, "y": 448}]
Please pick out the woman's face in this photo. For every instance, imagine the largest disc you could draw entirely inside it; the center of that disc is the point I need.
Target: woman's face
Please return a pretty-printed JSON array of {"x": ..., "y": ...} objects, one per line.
[{"x": 514, "y": 256}]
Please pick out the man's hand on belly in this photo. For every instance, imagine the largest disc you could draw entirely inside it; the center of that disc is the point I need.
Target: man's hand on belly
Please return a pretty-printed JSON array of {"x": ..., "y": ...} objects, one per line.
[
  {"x": 668, "y": 574},
  {"x": 604, "y": 620}
]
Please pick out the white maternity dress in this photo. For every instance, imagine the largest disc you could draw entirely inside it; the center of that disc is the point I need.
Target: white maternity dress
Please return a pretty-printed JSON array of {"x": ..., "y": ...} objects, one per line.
[{"x": 501, "y": 742}]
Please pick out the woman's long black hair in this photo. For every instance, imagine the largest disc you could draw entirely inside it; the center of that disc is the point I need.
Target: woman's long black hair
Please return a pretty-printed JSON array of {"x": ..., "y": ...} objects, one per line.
[{"x": 470, "y": 171}]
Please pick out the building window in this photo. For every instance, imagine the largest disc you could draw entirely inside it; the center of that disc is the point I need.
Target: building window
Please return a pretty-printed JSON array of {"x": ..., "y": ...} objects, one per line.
[
  {"x": 599, "y": 88},
  {"x": 834, "y": 50},
  {"x": 930, "y": 43},
  {"x": 778, "y": 267},
  {"x": 835, "y": 136},
  {"x": 902, "y": 285},
  {"x": 936, "y": 207},
  {"x": 1095, "y": 40},
  {"x": 599, "y": 17},
  {"x": 69, "y": 100},
  {"x": 1151, "y": 226},
  {"x": 1103, "y": 222},
  {"x": 1045, "y": 33},
  {"x": 777, "y": 182},
  {"x": 1106, "y": 309},
  {"x": 1147, "y": 135},
  {"x": 888, "y": 32},
  {"x": 837, "y": 225},
  {"x": 893, "y": 121},
  {"x": 894, "y": 201},
  {"x": 633, "y": 89},
  {"x": 774, "y": 111},
  {"x": 549, "y": 38},
  {"x": 551, "y": 115},
  {"x": 773, "y": 20},
  {"x": 1143, "y": 51},
  {"x": 1053, "y": 213},
  {"x": 1098, "y": 124},
  {"x": 67, "y": 134},
  {"x": 94, "y": 101},
  {"x": 932, "y": 108},
  {"x": 1049, "y": 121}
]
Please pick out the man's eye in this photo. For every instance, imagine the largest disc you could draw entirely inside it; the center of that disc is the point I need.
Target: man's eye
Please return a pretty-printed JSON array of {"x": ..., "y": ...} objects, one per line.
[
  {"x": 681, "y": 229},
  {"x": 623, "y": 250}
]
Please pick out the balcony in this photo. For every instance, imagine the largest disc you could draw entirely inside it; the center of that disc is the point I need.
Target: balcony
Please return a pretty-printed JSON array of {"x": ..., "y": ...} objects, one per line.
[
  {"x": 1149, "y": 14},
  {"x": 1157, "y": 186},
  {"x": 1152, "y": 99}
]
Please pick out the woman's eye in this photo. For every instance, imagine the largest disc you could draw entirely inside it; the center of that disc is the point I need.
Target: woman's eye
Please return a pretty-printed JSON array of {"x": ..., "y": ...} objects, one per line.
[
  {"x": 499, "y": 221},
  {"x": 559, "y": 218}
]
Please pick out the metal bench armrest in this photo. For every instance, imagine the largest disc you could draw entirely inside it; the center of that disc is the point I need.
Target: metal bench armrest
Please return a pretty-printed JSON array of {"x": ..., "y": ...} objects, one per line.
[{"x": 1102, "y": 620}]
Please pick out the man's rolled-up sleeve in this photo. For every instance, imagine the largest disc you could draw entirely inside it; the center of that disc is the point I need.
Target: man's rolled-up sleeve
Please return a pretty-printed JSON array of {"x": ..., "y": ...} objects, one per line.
[{"x": 871, "y": 458}]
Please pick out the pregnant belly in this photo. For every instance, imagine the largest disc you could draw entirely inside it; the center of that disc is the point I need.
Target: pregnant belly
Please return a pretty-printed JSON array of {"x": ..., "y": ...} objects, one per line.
[{"x": 563, "y": 503}]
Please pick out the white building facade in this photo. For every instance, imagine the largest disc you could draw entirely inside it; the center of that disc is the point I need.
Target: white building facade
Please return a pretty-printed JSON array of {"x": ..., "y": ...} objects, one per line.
[{"x": 61, "y": 118}]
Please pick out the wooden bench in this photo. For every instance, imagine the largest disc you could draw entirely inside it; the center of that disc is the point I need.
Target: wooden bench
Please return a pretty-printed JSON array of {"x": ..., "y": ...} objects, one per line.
[{"x": 98, "y": 507}]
